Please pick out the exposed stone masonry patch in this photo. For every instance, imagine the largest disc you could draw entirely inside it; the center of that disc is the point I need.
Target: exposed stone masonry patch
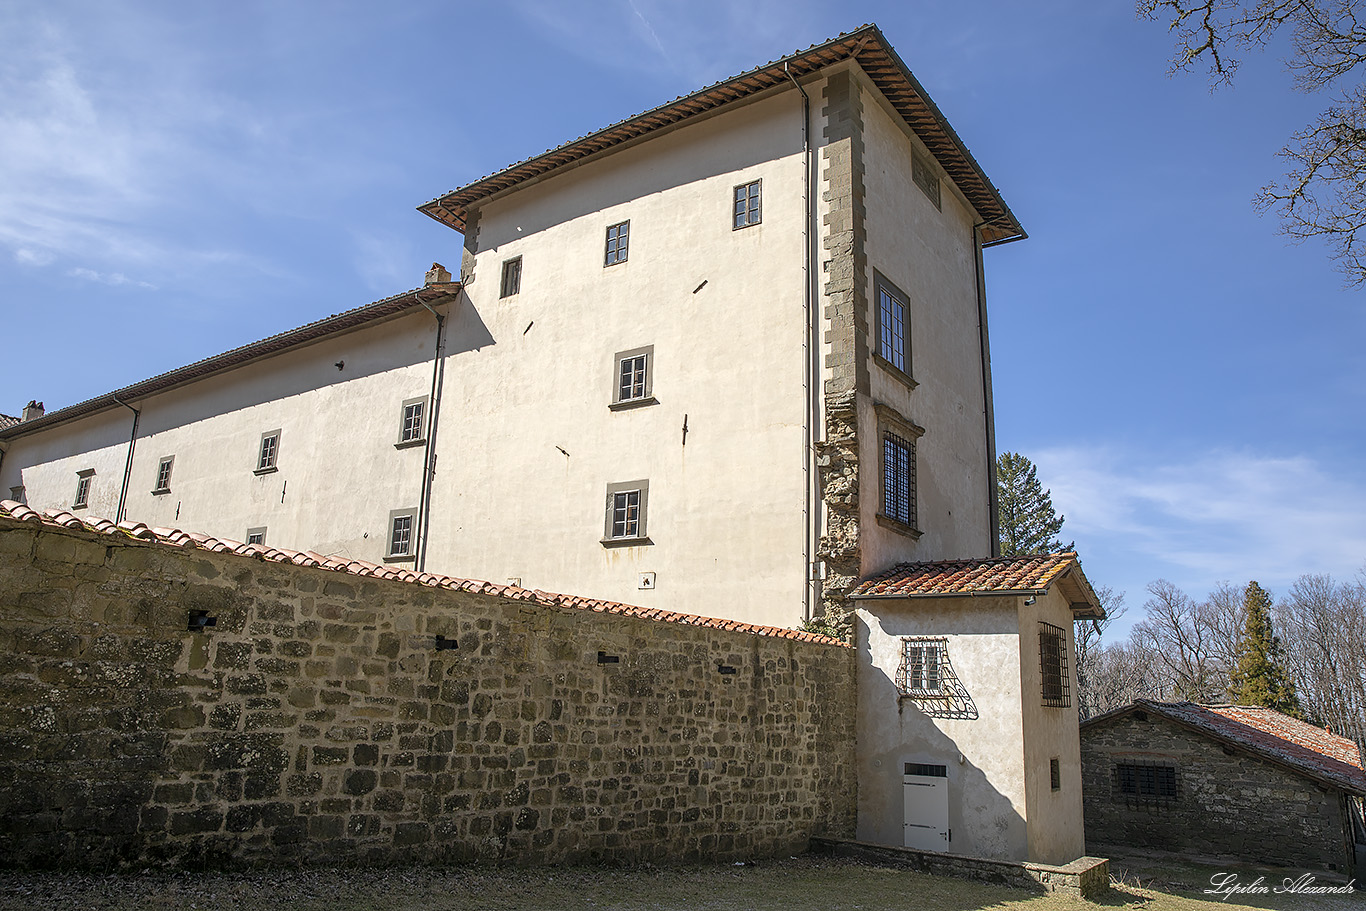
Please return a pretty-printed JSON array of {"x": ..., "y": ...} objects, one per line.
[{"x": 316, "y": 721}]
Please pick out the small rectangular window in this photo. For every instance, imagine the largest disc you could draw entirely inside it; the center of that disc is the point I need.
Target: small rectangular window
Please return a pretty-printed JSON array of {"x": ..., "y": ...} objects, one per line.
[
  {"x": 163, "y": 484},
  {"x": 1146, "y": 780},
  {"x": 746, "y": 211},
  {"x": 402, "y": 534},
  {"x": 512, "y": 277},
  {"x": 83, "y": 479},
  {"x": 922, "y": 172},
  {"x": 1054, "y": 775},
  {"x": 1053, "y": 665},
  {"x": 618, "y": 237},
  {"x": 17, "y": 494},
  {"x": 269, "y": 452},
  {"x": 633, "y": 378},
  {"x": 256, "y": 535},
  {"x": 626, "y": 512},
  {"x": 412, "y": 427},
  {"x": 898, "y": 478},
  {"x": 893, "y": 326}
]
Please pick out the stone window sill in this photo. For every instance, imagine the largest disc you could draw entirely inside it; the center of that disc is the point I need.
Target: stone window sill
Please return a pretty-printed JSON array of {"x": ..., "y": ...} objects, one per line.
[
  {"x": 161, "y": 491},
  {"x": 895, "y": 371},
  {"x": 409, "y": 444},
  {"x": 633, "y": 403},
  {"x": 399, "y": 558},
  {"x": 266, "y": 470},
  {"x": 626, "y": 542},
  {"x": 898, "y": 526}
]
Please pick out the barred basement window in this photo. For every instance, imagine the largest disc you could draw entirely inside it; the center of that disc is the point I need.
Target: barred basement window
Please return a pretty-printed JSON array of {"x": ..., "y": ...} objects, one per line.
[
  {"x": 617, "y": 237},
  {"x": 1146, "y": 780},
  {"x": 1053, "y": 665},
  {"x": 922, "y": 172}
]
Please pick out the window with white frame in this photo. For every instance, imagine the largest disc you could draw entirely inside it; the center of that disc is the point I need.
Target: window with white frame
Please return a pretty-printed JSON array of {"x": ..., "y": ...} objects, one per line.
[
  {"x": 412, "y": 426},
  {"x": 893, "y": 326},
  {"x": 83, "y": 481},
  {"x": 269, "y": 453},
  {"x": 402, "y": 534},
  {"x": 512, "y": 277},
  {"x": 256, "y": 535},
  {"x": 618, "y": 237},
  {"x": 633, "y": 378},
  {"x": 163, "y": 482},
  {"x": 747, "y": 209},
  {"x": 627, "y": 504}
]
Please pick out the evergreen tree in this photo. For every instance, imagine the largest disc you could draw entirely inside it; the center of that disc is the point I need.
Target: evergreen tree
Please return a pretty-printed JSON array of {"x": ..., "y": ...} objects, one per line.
[
  {"x": 1260, "y": 678},
  {"x": 1028, "y": 524}
]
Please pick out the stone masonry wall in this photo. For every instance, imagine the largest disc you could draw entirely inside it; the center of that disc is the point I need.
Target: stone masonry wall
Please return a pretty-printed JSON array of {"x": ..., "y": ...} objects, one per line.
[
  {"x": 327, "y": 716},
  {"x": 1235, "y": 805}
]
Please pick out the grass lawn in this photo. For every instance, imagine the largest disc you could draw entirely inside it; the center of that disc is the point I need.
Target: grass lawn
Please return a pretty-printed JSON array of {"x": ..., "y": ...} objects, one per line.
[{"x": 798, "y": 884}]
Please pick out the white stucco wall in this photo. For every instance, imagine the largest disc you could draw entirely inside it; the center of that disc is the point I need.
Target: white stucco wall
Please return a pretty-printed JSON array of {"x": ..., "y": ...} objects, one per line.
[
  {"x": 929, "y": 255},
  {"x": 984, "y": 756},
  {"x": 1056, "y": 833}
]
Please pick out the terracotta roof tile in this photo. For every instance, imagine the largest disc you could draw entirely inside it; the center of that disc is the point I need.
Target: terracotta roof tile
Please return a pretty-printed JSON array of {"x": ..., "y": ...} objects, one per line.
[
  {"x": 996, "y": 575},
  {"x": 7, "y": 420},
  {"x": 1311, "y": 750},
  {"x": 174, "y": 537}
]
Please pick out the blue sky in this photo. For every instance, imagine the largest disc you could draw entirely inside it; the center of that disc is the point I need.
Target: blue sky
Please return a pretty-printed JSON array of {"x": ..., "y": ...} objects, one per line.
[{"x": 179, "y": 179}]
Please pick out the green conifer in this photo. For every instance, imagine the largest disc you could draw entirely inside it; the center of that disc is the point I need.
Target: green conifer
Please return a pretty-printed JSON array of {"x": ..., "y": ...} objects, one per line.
[{"x": 1260, "y": 678}]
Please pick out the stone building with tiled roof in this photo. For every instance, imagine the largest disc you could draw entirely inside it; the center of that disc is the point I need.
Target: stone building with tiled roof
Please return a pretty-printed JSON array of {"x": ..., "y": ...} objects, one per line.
[
  {"x": 1224, "y": 780},
  {"x": 725, "y": 358}
]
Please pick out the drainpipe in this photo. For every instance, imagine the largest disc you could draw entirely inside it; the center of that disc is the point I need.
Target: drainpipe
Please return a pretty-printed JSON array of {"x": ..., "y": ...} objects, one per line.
[
  {"x": 128, "y": 466},
  {"x": 424, "y": 506},
  {"x": 811, "y": 419}
]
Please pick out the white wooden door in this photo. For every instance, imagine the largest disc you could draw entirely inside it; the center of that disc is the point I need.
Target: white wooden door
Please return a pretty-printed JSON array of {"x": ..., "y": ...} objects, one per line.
[{"x": 926, "y": 803}]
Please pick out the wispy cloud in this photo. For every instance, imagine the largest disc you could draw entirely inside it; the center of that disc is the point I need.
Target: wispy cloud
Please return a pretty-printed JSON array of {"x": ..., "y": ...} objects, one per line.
[
  {"x": 1220, "y": 515},
  {"x": 107, "y": 278}
]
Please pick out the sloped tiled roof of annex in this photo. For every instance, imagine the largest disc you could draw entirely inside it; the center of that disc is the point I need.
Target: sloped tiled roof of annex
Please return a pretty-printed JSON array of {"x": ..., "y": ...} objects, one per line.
[
  {"x": 175, "y": 537},
  {"x": 865, "y": 44},
  {"x": 7, "y": 420},
  {"x": 274, "y": 344},
  {"x": 1287, "y": 741},
  {"x": 994, "y": 575}
]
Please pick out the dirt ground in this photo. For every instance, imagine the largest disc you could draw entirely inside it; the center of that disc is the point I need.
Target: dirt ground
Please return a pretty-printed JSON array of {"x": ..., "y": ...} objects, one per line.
[{"x": 804, "y": 883}]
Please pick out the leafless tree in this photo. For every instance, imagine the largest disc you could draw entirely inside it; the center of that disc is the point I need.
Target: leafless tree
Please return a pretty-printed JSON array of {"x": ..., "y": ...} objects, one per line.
[
  {"x": 1120, "y": 673},
  {"x": 1087, "y": 635},
  {"x": 1323, "y": 628},
  {"x": 1184, "y": 642},
  {"x": 1324, "y": 191}
]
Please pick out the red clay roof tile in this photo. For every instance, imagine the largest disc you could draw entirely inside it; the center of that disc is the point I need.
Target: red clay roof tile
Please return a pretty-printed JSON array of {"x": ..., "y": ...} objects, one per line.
[
  {"x": 996, "y": 575},
  {"x": 174, "y": 537}
]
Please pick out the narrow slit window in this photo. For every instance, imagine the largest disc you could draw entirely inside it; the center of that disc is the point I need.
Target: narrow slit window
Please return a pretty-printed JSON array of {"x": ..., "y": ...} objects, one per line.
[{"x": 512, "y": 277}]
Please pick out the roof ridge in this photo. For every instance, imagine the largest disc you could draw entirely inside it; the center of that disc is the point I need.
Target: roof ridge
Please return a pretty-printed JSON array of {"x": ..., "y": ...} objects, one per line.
[{"x": 173, "y": 537}]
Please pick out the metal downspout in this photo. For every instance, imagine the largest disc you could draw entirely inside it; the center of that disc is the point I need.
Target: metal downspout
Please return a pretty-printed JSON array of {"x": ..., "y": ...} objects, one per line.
[
  {"x": 424, "y": 506},
  {"x": 128, "y": 466},
  {"x": 811, "y": 505},
  {"x": 988, "y": 407}
]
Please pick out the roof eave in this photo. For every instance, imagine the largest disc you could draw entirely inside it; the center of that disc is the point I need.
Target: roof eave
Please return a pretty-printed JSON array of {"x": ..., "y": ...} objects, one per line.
[
  {"x": 862, "y": 45},
  {"x": 338, "y": 324}
]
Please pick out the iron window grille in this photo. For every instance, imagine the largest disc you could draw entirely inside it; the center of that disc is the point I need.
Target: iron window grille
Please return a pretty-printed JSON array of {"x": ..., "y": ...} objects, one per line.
[
  {"x": 1053, "y": 665},
  {"x": 413, "y": 423},
  {"x": 618, "y": 237},
  {"x": 163, "y": 484},
  {"x": 926, "y": 675},
  {"x": 747, "y": 209},
  {"x": 1146, "y": 781},
  {"x": 269, "y": 452},
  {"x": 82, "y": 498},
  {"x": 922, "y": 173},
  {"x": 512, "y": 277},
  {"x": 898, "y": 478},
  {"x": 893, "y": 321}
]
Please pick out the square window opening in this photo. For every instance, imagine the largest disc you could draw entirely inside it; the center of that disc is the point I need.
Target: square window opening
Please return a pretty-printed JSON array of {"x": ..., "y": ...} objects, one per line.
[{"x": 256, "y": 535}]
